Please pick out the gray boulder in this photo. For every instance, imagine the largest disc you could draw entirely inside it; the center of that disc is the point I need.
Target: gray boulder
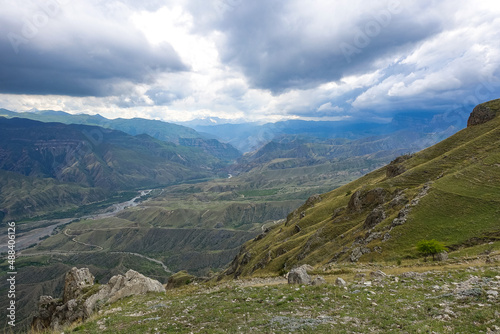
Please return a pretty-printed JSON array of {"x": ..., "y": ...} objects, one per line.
[
  {"x": 340, "y": 282},
  {"x": 299, "y": 276},
  {"x": 318, "y": 281}
]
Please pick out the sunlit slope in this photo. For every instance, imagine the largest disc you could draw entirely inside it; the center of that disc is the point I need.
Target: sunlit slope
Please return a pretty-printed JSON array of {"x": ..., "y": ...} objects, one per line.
[{"x": 449, "y": 192}]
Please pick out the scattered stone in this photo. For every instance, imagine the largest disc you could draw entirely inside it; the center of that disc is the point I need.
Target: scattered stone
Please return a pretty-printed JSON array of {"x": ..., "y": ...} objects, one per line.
[
  {"x": 340, "y": 282},
  {"x": 492, "y": 293},
  {"x": 474, "y": 292},
  {"x": 356, "y": 254},
  {"x": 373, "y": 236},
  {"x": 318, "y": 281},
  {"x": 378, "y": 273},
  {"x": 297, "y": 229},
  {"x": 398, "y": 200}
]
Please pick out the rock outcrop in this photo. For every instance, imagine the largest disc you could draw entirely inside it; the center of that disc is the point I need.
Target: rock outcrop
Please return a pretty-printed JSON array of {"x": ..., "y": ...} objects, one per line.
[
  {"x": 76, "y": 281},
  {"x": 480, "y": 114},
  {"x": 361, "y": 200},
  {"x": 374, "y": 217},
  {"x": 81, "y": 297}
]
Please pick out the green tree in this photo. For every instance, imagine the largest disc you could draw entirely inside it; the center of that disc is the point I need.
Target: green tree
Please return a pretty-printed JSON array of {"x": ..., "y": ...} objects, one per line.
[{"x": 430, "y": 247}]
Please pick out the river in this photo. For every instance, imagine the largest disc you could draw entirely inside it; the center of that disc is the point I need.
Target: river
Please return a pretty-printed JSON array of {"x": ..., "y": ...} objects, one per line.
[{"x": 26, "y": 239}]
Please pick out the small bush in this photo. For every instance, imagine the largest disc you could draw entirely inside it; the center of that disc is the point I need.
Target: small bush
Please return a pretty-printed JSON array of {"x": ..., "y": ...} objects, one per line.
[{"x": 430, "y": 247}]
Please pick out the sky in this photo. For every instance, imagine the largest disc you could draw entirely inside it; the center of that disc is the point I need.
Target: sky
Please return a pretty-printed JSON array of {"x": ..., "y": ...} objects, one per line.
[{"x": 258, "y": 60}]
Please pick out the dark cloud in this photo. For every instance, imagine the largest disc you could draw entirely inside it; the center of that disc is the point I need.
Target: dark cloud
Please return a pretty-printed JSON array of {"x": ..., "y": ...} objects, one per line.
[
  {"x": 91, "y": 57},
  {"x": 279, "y": 48}
]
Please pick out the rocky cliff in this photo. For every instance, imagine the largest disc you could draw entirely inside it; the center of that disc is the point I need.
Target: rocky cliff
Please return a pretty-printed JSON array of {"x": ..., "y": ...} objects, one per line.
[
  {"x": 483, "y": 113},
  {"x": 81, "y": 297}
]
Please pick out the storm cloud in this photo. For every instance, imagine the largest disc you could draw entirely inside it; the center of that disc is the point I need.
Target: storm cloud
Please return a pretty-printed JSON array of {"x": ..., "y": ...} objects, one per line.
[
  {"x": 249, "y": 60},
  {"x": 76, "y": 50}
]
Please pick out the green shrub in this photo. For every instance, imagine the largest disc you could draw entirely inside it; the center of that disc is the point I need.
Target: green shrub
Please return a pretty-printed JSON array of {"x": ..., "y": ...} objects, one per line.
[{"x": 430, "y": 247}]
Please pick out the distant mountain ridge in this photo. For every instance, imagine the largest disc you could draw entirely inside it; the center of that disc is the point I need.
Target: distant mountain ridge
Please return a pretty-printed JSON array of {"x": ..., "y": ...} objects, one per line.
[
  {"x": 160, "y": 130},
  {"x": 248, "y": 137}
]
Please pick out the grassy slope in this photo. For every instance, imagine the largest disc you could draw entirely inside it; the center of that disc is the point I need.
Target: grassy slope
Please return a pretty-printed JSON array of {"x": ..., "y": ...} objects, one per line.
[
  {"x": 463, "y": 203},
  {"x": 431, "y": 301}
]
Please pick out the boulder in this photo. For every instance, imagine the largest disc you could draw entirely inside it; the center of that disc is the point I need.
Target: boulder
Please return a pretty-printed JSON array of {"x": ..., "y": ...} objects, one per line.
[
  {"x": 299, "y": 276},
  {"x": 119, "y": 286},
  {"x": 340, "y": 282},
  {"x": 318, "y": 281}
]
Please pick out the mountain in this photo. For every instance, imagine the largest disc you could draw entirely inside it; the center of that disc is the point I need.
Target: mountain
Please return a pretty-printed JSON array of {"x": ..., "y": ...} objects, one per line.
[
  {"x": 449, "y": 192},
  {"x": 289, "y": 151},
  {"x": 79, "y": 162},
  {"x": 248, "y": 137},
  {"x": 169, "y": 132}
]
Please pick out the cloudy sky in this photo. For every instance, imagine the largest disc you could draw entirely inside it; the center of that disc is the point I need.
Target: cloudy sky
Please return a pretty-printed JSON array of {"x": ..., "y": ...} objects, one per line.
[{"x": 253, "y": 60}]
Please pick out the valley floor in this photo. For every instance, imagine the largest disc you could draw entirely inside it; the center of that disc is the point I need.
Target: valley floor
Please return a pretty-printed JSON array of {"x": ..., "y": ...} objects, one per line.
[{"x": 459, "y": 297}]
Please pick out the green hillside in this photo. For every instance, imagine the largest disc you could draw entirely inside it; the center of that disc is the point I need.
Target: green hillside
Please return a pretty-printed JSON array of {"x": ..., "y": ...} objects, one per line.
[{"x": 449, "y": 192}]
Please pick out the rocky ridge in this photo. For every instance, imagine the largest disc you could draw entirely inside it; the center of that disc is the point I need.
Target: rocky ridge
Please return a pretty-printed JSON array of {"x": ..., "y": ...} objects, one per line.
[{"x": 82, "y": 297}]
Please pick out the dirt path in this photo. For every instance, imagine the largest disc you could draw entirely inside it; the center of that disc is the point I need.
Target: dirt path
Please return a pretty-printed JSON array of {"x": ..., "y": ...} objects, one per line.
[{"x": 79, "y": 242}]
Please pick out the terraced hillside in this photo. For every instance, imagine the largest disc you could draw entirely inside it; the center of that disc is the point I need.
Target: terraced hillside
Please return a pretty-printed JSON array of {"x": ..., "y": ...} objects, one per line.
[{"x": 449, "y": 192}]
